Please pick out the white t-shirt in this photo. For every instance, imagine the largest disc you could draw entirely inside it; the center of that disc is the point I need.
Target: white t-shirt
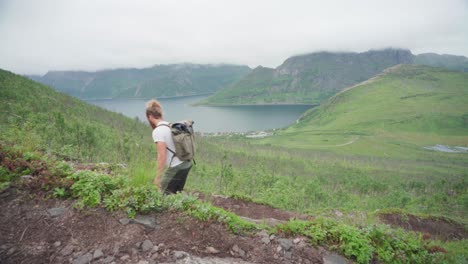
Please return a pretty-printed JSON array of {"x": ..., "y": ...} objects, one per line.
[{"x": 163, "y": 134}]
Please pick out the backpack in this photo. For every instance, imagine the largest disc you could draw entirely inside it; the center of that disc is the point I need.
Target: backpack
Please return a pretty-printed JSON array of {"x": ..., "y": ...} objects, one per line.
[{"x": 183, "y": 137}]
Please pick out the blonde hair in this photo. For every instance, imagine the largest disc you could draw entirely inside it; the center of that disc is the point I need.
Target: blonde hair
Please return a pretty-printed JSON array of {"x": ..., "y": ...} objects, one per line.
[{"x": 154, "y": 109}]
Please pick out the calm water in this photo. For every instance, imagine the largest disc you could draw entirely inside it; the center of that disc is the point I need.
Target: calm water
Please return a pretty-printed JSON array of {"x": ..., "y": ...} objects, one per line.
[{"x": 209, "y": 118}]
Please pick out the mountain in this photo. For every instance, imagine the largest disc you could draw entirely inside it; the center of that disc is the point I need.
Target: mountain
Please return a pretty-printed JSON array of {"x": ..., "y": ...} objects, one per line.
[
  {"x": 452, "y": 62},
  {"x": 418, "y": 105},
  {"x": 315, "y": 77},
  {"x": 157, "y": 81},
  {"x": 310, "y": 78}
]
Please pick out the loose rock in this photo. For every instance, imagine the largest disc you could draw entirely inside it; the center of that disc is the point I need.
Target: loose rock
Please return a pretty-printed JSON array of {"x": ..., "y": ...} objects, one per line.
[
  {"x": 266, "y": 240},
  {"x": 124, "y": 221},
  {"x": 145, "y": 220},
  {"x": 147, "y": 245},
  {"x": 180, "y": 254},
  {"x": 108, "y": 259},
  {"x": 286, "y": 244},
  {"x": 57, "y": 244},
  {"x": 67, "y": 250},
  {"x": 83, "y": 259},
  {"x": 55, "y": 212},
  {"x": 98, "y": 254},
  {"x": 211, "y": 250}
]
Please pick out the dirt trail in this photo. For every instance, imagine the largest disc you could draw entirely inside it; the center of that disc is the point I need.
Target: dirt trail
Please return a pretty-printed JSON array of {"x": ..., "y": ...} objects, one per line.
[
  {"x": 254, "y": 212},
  {"x": 51, "y": 231}
]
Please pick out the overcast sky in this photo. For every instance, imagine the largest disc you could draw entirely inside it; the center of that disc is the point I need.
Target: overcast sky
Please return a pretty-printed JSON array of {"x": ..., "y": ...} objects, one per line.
[{"x": 37, "y": 36}]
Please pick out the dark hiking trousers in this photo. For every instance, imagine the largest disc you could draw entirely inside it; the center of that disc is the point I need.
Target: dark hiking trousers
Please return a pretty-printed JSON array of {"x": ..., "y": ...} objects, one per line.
[{"x": 174, "y": 178}]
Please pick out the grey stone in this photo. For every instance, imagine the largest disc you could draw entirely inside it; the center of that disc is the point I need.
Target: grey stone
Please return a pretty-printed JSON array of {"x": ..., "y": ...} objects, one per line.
[
  {"x": 58, "y": 211},
  {"x": 238, "y": 250},
  {"x": 288, "y": 254},
  {"x": 11, "y": 251},
  {"x": 67, "y": 250},
  {"x": 296, "y": 240},
  {"x": 57, "y": 244},
  {"x": 333, "y": 258},
  {"x": 143, "y": 262},
  {"x": 266, "y": 240},
  {"x": 98, "y": 254},
  {"x": 272, "y": 237},
  {"x": 138, "y": 244},
  {"x": 124, "y": 221},
  {"x": 108, "y": 259},
  {"x": 286, "y": 244},
  {"x": 83, "y": 259},
  {"x": 145, "y": 220},
  {"x": 147, "y": 245},
  {"x": 180, "y": 255}
]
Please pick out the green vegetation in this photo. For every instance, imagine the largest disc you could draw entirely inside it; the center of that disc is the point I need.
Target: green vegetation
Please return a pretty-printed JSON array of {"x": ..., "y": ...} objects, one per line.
[
  {"x": 311, "y": 167},
  {"x": 39, "y": 118},
  {"x": 157, "y": 81}
]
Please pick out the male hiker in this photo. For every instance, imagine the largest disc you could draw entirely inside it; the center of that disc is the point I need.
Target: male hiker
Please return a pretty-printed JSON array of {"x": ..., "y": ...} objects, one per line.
[{"x": 175, "y": 176}]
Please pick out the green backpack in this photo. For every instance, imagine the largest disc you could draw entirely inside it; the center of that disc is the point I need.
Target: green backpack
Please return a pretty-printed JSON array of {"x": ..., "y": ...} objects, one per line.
[{"x": 184, "y": 139}]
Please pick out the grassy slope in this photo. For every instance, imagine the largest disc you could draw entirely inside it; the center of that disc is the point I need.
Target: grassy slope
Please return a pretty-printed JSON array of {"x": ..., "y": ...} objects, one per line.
[
  {"x": 402, "y": 102},
  {"x": 36, "y": 116}
]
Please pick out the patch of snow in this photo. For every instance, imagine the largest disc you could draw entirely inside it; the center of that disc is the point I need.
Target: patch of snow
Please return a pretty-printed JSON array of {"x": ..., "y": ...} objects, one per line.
[{"x": 449, "y": 149}]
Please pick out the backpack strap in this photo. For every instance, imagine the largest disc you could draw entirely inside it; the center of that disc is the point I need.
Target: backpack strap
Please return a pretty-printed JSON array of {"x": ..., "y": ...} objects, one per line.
[{"x": 173, "y": 152}]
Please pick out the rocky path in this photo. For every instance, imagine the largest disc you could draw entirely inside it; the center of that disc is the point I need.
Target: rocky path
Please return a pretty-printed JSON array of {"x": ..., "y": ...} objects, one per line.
[{"x": 51, "y": 231}]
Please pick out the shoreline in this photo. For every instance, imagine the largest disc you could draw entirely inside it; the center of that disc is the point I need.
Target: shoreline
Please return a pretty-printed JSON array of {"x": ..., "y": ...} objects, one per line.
[{"x": 263, "y": 104}]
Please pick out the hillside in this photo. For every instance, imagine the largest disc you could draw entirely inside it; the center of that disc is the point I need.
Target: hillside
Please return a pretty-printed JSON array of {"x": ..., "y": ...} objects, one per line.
[
  {"x": 310, "y": 78},
  {"x": 313, "y": 78},
  {"x": 157, "y": 81},
  {"x": 38, "y": 117},
  {"x": 421, "y": 104},
  {"x": 452, "y": 62}
]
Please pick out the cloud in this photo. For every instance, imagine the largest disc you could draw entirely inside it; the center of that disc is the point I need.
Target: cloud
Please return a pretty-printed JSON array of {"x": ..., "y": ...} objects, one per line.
[{"x": 38, "y": 36}]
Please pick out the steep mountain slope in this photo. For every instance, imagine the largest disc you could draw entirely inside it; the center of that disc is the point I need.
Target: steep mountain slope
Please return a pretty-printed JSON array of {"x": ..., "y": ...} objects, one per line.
[
  {"x": 157, "y": 81},
  {"x": 431, "y": 104},
  {"x": 310, "y": 78}
]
